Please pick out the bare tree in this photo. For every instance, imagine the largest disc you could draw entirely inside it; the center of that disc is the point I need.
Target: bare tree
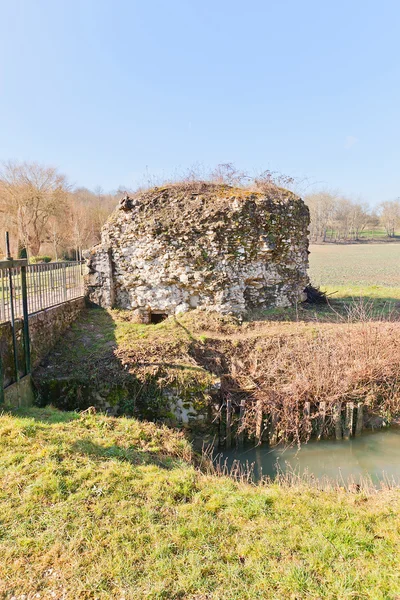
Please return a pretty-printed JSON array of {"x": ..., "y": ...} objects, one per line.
[
  {"x": 96, "y": 207},
  {"x": 322, "y": 208},
  {"x": 30, "y": 195},
  {"x": 360, "y": 218},
  {"x": 390, "y": 216}
]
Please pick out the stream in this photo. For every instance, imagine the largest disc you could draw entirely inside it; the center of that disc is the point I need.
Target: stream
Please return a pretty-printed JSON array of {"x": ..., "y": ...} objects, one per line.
[{"x": 373, "y": 455}]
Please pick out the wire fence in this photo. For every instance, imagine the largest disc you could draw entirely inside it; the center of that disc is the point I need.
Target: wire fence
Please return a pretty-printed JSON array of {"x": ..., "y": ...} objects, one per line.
[{"x": 47, "y": 285}]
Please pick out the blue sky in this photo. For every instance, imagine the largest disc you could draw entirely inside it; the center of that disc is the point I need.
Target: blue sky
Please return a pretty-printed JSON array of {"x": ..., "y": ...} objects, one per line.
[{"x": 107, "y": 89}]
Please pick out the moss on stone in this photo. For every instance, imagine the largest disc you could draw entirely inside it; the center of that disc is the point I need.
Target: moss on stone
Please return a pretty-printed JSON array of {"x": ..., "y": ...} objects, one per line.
[{"x": 177, "y": 241}]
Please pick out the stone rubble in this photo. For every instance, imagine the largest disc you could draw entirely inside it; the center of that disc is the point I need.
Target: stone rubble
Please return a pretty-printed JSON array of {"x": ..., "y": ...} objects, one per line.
[{"x": 217, "y": 248}]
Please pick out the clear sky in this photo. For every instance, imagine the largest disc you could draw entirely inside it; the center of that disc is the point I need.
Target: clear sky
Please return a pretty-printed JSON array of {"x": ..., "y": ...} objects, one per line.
[{"x": 107, "y": 89}]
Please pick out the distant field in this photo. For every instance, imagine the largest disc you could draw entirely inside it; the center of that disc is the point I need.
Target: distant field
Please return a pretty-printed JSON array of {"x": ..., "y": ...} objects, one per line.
[
  {"x": 353, "y": 270},
  {"x": 367, "y": 234}
]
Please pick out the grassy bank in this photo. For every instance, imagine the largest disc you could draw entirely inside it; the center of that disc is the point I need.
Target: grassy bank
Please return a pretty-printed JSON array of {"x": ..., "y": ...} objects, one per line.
[
  {"x": 96, "y": 507},
  {"x": 277, "y": 365}
]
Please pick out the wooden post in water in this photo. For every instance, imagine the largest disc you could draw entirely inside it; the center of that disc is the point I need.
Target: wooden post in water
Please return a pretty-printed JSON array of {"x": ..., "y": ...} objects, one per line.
[
  {"x": 321, "y": 419},
  {"x": 349, "y": 420},
  {"x": 307, "y": 415},
  {"x": 360, "y": 418},
  {"x": 228, "y": 438},
  {"x": 241, "y": 421},
  {"x": 337, "y": 420},
  {"x": 273, "y": 432},
  {"x": 259, "y": 422}
]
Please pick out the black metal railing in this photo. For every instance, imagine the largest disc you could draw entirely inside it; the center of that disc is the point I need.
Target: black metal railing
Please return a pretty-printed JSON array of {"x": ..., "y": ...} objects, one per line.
[{"x": 46, "y": 285}]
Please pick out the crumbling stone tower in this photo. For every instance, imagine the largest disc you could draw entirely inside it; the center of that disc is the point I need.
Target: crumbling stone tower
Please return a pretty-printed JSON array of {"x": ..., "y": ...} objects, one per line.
[{"x": 206, "y": 246}]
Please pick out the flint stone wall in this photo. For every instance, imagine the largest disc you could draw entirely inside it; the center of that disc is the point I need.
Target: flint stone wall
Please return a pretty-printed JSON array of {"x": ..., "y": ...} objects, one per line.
[{"x": 216, "y": 248}]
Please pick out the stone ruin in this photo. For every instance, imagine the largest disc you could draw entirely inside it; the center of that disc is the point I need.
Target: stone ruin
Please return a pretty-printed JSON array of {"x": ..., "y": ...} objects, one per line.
[{"x": 207, "y": 246}]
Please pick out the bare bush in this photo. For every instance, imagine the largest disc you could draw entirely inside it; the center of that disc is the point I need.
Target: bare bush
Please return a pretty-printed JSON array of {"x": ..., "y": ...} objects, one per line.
[{"x": 350, "y": 362}]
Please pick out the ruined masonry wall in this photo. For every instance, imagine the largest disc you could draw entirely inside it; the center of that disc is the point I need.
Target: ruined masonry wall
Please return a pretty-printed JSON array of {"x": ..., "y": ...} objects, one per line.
[{"x": 223, "y": 249}]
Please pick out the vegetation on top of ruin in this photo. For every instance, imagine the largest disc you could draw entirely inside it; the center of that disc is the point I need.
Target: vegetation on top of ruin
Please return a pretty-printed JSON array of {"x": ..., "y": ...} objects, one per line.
[
  {"x": 212, "y": 191},
  {"x": 227, "y": 218}
]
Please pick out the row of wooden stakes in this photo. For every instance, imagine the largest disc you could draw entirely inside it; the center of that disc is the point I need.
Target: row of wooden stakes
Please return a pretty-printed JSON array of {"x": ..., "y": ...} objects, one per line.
[{"x": 346, "y": 421}]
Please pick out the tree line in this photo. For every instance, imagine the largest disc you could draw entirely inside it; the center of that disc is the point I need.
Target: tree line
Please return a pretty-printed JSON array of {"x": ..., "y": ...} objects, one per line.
[
  {"x": 335, "y": 218},
  {"x": 45, "y": 215}
]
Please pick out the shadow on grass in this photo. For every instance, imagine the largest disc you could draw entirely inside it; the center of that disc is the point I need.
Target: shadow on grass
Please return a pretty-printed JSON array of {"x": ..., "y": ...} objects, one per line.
[
  {"x": 84, "y": 370},
  {"x": 93, "y": 365},
  {"x": 133, "y": 456},
  {"x": 337, "y": 310},
  {"x": 47, "y": 415}
]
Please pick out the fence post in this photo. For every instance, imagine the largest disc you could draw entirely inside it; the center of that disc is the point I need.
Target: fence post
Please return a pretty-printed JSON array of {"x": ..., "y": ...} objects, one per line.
[
  {"x": 27, "y": 344},
  {"x": 1, "y": 382},
  {"x": 64, "y": 278},
  {"x": 11, "y": 299}
]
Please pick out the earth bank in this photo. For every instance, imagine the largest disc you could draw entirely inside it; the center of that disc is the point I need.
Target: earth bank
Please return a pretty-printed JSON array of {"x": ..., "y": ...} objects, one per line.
[{"x": 187, "y": 370}]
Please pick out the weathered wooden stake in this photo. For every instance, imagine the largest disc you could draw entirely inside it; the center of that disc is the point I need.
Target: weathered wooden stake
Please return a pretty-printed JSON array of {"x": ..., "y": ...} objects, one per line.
[
  {"x": 241, "y": 421},
  {"x": 337, "y": 420},
  {"x": 228, "y": 439},
  {"x": 349, "y": 420},
  {"x": 321, "y": 419},
  {"x": 360, "y": 418},
  {"x": 273, "y": 432},
  {"x": 307, "y": 415},
  {"x": 259, "y": 422}
]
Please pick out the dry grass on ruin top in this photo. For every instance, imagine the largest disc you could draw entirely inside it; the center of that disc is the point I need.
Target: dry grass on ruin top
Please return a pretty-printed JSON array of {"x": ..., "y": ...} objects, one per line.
[
  {"x": 98, "y": 507},
  {"x": 192, "y": 208},
  {"x": 214, "y": 189}
]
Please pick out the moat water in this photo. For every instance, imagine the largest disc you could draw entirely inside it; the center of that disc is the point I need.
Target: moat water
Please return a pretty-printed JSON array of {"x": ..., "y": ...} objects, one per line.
[{"x": 373, "y": 455}]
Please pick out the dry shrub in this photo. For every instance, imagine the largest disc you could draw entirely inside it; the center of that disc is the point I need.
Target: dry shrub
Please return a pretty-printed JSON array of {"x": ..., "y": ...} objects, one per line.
[
  {"x": 199, "y": 179},
  {"x": 353, "y": 362}
]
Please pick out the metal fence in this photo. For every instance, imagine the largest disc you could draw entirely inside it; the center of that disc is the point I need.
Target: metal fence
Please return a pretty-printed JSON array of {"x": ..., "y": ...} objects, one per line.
[{"x": 47, "y": 285}]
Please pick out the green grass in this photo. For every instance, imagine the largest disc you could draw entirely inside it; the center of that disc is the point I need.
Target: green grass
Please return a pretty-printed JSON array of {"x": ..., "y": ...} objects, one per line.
[
  {"x": 353, "y": 271},
  {"x": 95, "y": 507},
  {"x": 367, "y": 234}
]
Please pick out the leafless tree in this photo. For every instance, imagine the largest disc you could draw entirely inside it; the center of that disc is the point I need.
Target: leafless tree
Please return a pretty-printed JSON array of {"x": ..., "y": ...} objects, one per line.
[
  {"x": 30, "y": 195},
  {"x": 390, "y": 216},
  {"x": 322, "y": 209}
]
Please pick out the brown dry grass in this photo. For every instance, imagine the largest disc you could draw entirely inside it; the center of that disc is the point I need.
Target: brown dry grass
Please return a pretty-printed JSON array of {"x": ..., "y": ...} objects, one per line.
[
  {"x": 348, "y": 362},
  {"x": 281, "y": 365}
]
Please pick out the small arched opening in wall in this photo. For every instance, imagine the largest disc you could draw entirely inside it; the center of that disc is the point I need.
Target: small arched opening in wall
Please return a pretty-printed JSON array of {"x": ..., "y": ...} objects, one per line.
[{"x": 157, "y": 317}]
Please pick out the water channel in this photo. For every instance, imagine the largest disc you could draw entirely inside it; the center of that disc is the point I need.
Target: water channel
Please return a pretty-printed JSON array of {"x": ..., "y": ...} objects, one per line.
[{"x": 374, "y": 455}]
